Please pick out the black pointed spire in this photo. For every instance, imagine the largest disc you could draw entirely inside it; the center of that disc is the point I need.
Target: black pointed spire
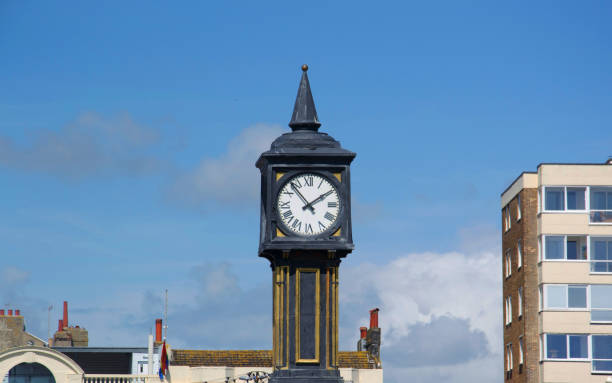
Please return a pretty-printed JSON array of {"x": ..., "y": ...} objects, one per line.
[{"x": 304, "y": 113}]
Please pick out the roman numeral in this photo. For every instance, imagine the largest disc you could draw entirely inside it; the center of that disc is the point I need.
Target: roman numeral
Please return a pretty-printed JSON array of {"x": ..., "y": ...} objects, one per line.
[
  {"x": 321, "y": 226},
  {"x": 287, "y": 214},
  {"x": 288, "y": 193},
  {"x": 332, "y": 204},
  {"x": 330, "y": 217},
  {"x": 297, "y": 224},
  {"x": 297, "y": 183},
  {"x": 320, "y": 183},
  {"x": 308, "y": 229},
  {"x": 284, "y": 205},
  {"x": 308, "y": 180}
]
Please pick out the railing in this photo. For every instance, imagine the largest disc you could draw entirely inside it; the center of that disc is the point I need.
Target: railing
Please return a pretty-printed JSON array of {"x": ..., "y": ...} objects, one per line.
[
  {"x": 601, "y": 266},
  {"x": 602, "y": 365},
  {"x": 120, "y": 378},
  {"x": 600, "y": 216},
  {"x": 601, "y": 315}
]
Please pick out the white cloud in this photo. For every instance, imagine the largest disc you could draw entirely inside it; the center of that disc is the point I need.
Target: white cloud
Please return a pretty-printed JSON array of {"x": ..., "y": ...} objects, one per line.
[
  {"x": 231, "y": 177},
  {"x": 419, "y": 293}
]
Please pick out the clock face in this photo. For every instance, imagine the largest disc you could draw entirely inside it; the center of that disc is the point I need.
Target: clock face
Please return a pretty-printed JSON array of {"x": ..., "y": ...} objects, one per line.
[{"x": 308, "y": 204}]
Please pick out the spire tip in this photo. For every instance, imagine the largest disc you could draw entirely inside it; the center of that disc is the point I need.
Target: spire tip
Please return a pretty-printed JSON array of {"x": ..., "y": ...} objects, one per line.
[{"x": 304, "y": 67}]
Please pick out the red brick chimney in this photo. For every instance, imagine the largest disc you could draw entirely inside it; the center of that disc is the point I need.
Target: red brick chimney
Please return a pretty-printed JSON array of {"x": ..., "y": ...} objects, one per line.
[
  {"x": 158, "y": 330},
  {"x": 1, "y": 312},
  {"x": 60, "y": 325},
  {"x": 374, "y": 318},
  {"x": 65, "y": 320},
  {"x": 10, "y": 312},
  {"x": 17, "y": 312},
  {"x": 363, "y": 332}
]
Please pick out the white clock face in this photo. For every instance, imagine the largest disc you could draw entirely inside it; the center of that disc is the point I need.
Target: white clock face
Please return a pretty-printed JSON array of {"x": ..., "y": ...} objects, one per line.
[{"x": 308, "y": 204}]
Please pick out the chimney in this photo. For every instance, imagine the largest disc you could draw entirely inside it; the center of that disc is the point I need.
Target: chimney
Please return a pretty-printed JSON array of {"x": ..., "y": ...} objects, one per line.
[
  {"x": 60, "y": 325},
  {"x": 158, "y": 330},
  {"x": 1, "y": 312},
  {"x": 373, "y": 338},
  {"x": 363, "y": 332},
  {"x": 10, "y": 312},
  {"x": 17, "y": 312},
  {"x": 65, "y": 320},
  {"x": 374, "y": 318}
]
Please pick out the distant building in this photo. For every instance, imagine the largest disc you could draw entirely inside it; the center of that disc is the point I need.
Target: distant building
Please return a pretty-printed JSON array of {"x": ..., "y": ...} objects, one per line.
[
  {"x": 557, "y": 274},
  {"x": 69, "y": 336},
  {"x": 13, "y": 331}
]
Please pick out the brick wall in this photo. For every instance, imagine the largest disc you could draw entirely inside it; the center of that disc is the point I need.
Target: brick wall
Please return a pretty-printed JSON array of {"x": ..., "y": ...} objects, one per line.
[{"x": 525, "y": 231}]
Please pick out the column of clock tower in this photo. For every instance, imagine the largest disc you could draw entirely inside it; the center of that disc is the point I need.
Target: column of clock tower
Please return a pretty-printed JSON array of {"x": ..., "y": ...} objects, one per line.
[{"x": 305, "y": 232}]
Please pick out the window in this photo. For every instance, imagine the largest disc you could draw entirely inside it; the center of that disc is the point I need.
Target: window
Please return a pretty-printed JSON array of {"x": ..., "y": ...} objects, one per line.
[
  {"x": 601, "y": 303},
  {"x": 507, "y": 218},
  {"x": 509, "y": 357},
  {"x": 602, "y": 353},
  {"x": 521, "y": 352},
  {"x": 575, "y": 198},
  {"x": 520, "y": 301},
  {"x": 508, "y": 310},
  {"x": 563, "y": 198},
  {"x": 508, "y": 264},
  {"x": 519, "y": 254},
  {"x": 566, "y": 346},
  {"x": 601, "y": 255},
  {"x": 565, "y": 296},
  {"x": 561, "y": 247},
  {"x": 601, "y": 205},
  {"x": 518, "y": 207},
  {"x": 554, "y": 198}
]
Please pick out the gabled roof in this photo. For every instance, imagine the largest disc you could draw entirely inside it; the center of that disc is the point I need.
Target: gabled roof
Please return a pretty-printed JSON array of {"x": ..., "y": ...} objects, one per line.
[{"x": 254, "y": 358}]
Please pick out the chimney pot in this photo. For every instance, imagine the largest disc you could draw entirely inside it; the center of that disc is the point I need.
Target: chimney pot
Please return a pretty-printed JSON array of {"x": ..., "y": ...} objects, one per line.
[
  {"x": 17, "y": 312},
  {"x": 65, "y": 320},
  {"x": 10, "y": 312},
  {"x": 374, "y": 318},
  {"x": 60, "y": 325},
  {"x": 363, "y": 332},
  {"x": 2, "y": 312},
  {"x": 158, "y": 330}
]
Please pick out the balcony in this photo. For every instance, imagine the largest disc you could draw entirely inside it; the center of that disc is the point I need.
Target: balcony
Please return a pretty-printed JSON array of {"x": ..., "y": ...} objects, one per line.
[{"x": 600, "y": 216}]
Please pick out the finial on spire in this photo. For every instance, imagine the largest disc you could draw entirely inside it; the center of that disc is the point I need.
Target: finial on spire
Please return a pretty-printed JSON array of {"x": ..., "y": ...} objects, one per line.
[{"x": 304, "y": 113}]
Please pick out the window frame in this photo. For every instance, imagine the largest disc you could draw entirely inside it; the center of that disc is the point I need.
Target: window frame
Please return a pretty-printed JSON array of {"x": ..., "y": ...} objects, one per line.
[
  {"x": 542, "y": 248},
  {"x": 546, "y": 358},
  {"x": 508, "y": 263},
  {"x": 546, "y": 307},
  {"x": 509, "y": 358},
  {"x": 542, "y": 196}
]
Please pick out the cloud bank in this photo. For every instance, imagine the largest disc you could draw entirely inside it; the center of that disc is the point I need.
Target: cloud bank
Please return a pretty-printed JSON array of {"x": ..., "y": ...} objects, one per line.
[
  {"x": 90, "y": 145},
  {"x": 232, "y": 177}
]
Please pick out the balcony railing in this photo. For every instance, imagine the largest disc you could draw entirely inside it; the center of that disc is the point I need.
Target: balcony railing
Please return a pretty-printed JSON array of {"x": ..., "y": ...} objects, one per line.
[
  {"x": 600, "y": 216},
  {"x": 601, "y": 266},
  {"x": 120, "y": 378}
]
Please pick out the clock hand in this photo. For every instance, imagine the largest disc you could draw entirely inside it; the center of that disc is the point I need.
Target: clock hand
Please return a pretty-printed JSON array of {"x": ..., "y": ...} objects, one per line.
[
  {"x": 317, "y": 200},
  {"x": 295, "y": 189}
]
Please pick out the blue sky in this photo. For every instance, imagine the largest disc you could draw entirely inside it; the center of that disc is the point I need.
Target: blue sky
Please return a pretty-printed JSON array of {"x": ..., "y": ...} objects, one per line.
[{"x": 129, "y": 131}]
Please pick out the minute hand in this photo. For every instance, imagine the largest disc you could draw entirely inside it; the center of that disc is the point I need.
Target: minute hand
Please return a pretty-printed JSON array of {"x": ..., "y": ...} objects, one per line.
[
  {"x": 295, "y": 189},
  {"x": 316, "y": 200}
]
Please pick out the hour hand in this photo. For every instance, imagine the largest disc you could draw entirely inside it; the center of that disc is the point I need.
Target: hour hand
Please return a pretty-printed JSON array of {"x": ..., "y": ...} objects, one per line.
[
  {"x": 316, "y": 200},
  {"x": 306, "y": 204}
]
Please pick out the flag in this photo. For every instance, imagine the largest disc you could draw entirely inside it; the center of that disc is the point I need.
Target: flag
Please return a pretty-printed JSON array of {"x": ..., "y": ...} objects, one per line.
[{"x": 163, "y": 362}]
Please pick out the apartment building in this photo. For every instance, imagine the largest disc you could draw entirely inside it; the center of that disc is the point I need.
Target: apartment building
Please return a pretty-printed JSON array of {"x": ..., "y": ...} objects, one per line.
[{"x": 557, "y": 274}]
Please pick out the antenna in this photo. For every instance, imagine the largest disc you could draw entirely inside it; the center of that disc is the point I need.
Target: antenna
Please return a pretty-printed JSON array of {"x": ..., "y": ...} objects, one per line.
[
  {"x": 166, "y": 316},
  {"x": 49, "y": 322}
]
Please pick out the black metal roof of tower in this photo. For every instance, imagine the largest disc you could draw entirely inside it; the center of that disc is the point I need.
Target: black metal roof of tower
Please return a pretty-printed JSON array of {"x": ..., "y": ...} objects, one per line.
[{"x": 304, "y": 113}]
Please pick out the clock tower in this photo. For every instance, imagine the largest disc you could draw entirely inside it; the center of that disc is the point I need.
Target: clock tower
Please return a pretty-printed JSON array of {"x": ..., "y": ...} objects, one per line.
[{"x": 305, "y": 232}]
